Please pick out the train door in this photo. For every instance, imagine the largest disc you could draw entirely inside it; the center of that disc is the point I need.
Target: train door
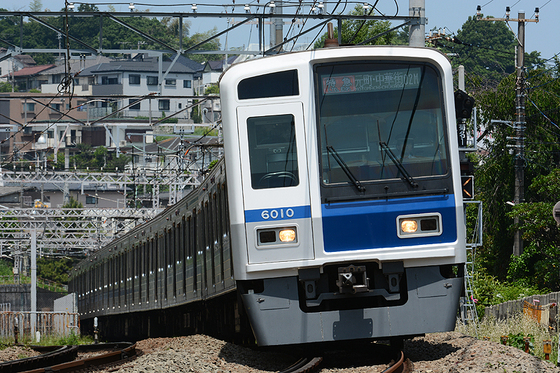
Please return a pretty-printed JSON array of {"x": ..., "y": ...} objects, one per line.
[{"x": 275, "y": 183}]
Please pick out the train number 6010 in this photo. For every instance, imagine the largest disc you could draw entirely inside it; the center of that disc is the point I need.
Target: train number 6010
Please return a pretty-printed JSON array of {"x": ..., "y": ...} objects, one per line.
[{"x": 277, "y": 214}]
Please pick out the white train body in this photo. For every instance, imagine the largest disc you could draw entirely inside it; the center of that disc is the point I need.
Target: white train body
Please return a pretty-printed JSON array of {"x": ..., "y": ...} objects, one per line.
[{"x": 351, "y": 154}]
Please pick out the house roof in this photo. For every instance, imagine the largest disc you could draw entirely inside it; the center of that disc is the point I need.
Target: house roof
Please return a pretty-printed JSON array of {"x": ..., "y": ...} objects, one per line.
[
  {"x": 25, "y": 60},
  {"x": 29, "y": 71},
  {"x": 219, "y": 65},
  {"x": 195, "y": 66},
  {"x": 149, "y": 65},
  {"x": 76, "y": 65},
  {"x": 7, "y": 190}
]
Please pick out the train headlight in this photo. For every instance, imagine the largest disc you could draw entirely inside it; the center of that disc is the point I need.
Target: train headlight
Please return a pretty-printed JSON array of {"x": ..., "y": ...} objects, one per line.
[
  {"x": 419, "y": 225},
  {"x": 287, "y": 235},
  {"x": 409, "y": 226},
  {"x": 277, "y": 236}
]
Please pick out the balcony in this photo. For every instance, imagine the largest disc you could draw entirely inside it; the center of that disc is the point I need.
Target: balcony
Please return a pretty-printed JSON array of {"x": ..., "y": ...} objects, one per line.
[{"x": 107, "y": 89}]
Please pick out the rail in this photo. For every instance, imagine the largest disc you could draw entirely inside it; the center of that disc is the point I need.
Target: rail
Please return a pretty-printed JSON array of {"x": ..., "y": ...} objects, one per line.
[{"x": 64, "y": 359}]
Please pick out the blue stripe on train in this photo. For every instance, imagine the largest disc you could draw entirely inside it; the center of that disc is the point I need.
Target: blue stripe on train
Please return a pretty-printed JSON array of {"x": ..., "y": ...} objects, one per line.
[{"x": 373, "y": 224}]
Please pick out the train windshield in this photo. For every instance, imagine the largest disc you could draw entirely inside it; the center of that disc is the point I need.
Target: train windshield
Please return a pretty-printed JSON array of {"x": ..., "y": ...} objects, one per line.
[{"x": 380, "y": 121}]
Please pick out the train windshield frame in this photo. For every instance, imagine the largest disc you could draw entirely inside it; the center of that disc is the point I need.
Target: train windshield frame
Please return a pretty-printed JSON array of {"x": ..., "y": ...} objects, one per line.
[{"x": 382, "y": 128}]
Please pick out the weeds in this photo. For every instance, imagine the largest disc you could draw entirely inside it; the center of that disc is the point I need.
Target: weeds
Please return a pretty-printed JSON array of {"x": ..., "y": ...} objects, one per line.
[
  {"x": 62, "y": 340},
  {"x": 516, "y": 328}
]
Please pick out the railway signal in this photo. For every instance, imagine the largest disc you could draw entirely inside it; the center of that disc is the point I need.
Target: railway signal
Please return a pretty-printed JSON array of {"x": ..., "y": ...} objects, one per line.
[{"x": 467, "y": 183}]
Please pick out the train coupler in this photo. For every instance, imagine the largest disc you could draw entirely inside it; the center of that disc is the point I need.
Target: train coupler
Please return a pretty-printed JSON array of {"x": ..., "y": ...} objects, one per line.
[{"x": 352, "y": 279}]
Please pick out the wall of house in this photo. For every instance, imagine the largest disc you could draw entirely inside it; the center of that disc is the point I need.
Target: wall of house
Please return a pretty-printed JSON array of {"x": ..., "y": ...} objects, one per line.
[{"x": 112, "y": 199}]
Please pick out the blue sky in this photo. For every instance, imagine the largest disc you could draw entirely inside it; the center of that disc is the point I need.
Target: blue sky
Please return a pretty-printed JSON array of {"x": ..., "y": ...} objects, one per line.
[{"x": 449, "y": 14}]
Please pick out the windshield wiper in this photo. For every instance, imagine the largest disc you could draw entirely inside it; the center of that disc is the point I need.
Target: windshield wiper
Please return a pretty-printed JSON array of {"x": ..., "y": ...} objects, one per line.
[
  {"x": 398, "y": 163},
  {"x": 346, "y": 170}
]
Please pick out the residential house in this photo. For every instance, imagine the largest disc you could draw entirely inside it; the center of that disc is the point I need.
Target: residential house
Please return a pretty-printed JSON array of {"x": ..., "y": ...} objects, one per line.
[
  {"x": 31, "y": 121},
  {"x": 26, "y": 79},
  {"x": 212, "y": 72},
  {"x": 12, "y": 63},
  {"x": 52, "y": 195},
  {"x": 51, "y": 78},
  {"x": 154, "y": 92}
]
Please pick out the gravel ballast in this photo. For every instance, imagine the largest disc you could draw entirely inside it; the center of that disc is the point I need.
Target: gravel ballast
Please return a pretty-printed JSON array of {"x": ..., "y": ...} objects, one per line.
[{"x": 434, "y": 353}]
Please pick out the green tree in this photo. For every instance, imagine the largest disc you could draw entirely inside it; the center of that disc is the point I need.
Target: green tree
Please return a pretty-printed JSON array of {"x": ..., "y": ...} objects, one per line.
[
  {"x": 196, "y": 115},
  {"x": 540, "y": 262},
  {"x": 119, "y": 162},
  {"x": 57, "y": 164},
  {"x": 213, "y": 45},
  {"x": 56, "y": 270},
  {"x": 7, "y": 87},
  {"x": 356, "y": 32},
  {"x": 494, "y": 173},
  {"x": 35, "y": 6},
  {"x": 487, "y": 50},
  {"x": 95, "y": 159},
  {"x": 212, "y": 89},
  {"x": 73, "y": 204}
]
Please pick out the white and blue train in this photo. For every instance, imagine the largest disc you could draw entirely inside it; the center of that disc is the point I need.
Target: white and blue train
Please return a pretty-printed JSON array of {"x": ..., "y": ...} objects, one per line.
[{"x": 341, "y": 217}]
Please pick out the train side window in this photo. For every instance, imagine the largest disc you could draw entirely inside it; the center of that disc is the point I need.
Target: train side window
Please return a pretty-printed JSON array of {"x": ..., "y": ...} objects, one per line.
[
  {"x": 272, "y": 151},
  {"x": 283, "y": 83}
]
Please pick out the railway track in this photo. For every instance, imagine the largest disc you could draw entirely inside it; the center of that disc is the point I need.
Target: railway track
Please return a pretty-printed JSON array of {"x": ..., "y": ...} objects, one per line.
[
  {"x": 304, "y": 365},
  {"x": 64, "y": 360},
  {"x": 311, "y": 364}
]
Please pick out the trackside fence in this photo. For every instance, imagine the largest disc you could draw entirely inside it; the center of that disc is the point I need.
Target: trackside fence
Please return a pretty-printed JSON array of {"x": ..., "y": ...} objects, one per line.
[
  {"x": 47, "y": 324},
  {"x": 542, "y": 308}
]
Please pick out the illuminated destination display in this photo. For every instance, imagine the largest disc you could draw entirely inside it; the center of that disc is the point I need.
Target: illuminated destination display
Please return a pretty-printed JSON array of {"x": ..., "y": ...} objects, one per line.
[{"x": 374, "y": 81}]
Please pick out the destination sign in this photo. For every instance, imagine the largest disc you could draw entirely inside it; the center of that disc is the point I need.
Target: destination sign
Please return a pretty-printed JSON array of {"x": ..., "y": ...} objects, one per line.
[{"x": 374, "y": 81}]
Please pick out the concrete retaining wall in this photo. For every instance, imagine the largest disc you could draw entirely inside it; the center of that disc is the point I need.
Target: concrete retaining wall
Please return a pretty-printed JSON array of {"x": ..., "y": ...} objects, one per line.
[{"x": 19, "y": 297}]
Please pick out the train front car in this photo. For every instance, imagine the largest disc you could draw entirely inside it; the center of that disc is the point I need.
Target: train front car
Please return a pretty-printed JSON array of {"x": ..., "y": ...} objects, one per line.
[{"x": 344, "y": 190}]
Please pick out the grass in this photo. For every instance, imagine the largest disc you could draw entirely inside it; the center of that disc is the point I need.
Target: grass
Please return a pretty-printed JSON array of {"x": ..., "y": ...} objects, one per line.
[
  {"x": 48, "y": 340},
  {"x": 70, "y": 340},
  {"x": 516, "y": 328}
]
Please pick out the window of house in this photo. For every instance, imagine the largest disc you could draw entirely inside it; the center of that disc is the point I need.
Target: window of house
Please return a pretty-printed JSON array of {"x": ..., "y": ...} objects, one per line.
[
  {"x": 134, "y": 79},
  {"x": 163, "y": 104},
  {"x": 82, "y": 105},
  {"x": 106, "y": 80},
  {"x": 29, "y": 107},
  {"x": 135, "y": 104},
  {"x": 179, "y": 106},
  {"x": 56, "y": 79},
  {"x": 50, "y": 134},
  {"x": 187, "y": 83},
  {"x": 152, "y": 80},
  {"x": 56, "y": 106},
  {"x": 172, "y": 82},
  {"x": 91, "y": 200}
]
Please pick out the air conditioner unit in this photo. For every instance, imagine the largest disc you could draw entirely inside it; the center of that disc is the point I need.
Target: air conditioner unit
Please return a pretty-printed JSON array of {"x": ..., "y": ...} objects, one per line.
[{"x": 122, "y": 143}]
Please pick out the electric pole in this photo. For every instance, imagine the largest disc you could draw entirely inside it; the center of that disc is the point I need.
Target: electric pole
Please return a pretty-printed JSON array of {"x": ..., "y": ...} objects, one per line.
[
  {"x": 417, "y": 8},
  {"x": 519, "y": 125},
  {"x": 519, "y": 193}
]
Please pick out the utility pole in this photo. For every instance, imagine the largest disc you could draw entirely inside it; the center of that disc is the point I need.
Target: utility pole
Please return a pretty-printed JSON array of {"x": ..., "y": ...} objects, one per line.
[
  {"x": 519, "y": 126},
  {"x": 276, "y": 25},
  {"x": 417, "y": 8},
  {"x": 519, "y": 193}
]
